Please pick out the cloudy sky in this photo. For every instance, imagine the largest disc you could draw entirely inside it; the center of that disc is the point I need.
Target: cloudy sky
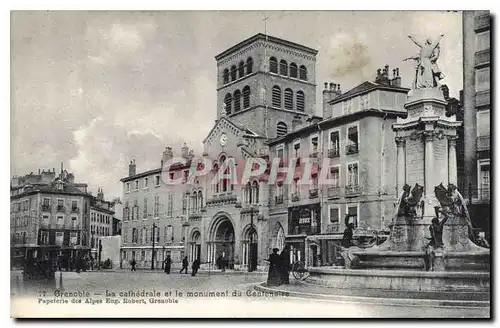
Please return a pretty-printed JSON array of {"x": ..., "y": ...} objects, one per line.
[{"x": 96, "y": 89}]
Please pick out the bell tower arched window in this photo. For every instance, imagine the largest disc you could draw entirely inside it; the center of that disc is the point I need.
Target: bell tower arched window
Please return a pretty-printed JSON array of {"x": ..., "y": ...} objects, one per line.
[
  {"x": 237, "y": 100},
  {"x": 303, "y": 73},
  {"x": 228, "y": 99},
  {"x": 276, "y": 96},
  {"x": 249, "y": 65},
  {"x": 233, "y": 73},
  {"x": 293, "y": 70},
  {"x": 241, "y": 69},
  {"x": 246, "y": 97},
  {"x": 300, "y": 101},
  {"x": 273, "y": 65},
  {"x": 281, "y": 129},
  {"x": 283, "y": 67},
  {"x": 225, "y": 76},
  {"x": 288, "y": 99}
]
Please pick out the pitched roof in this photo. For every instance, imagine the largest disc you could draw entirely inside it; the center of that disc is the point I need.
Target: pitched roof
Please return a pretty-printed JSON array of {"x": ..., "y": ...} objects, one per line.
[{"x": 365, "y": 87}]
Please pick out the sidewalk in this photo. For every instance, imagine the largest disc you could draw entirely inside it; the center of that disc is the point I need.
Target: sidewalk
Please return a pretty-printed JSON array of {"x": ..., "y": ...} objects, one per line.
[{"x": 381, "y": 297}]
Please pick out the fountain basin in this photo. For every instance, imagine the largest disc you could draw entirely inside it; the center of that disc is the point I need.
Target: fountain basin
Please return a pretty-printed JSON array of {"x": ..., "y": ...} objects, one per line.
[
  {"x": 401, "y": 280},
  {"x": 415, "y": 260}
]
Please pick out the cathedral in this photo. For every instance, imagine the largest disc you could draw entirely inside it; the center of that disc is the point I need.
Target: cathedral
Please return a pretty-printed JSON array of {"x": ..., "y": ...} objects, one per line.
[{"x": 264, "y": 86}]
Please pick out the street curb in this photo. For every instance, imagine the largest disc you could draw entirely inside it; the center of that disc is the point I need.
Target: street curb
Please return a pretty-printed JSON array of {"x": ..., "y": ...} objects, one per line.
[
  {"x": 171, "y": 272},
  {"x": 380, "y": 300}
]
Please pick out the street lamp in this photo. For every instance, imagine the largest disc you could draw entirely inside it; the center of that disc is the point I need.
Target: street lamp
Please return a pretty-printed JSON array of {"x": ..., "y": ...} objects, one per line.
[
  {"x": 250, "y": 255},
  {"x": 153, "y": 250}
]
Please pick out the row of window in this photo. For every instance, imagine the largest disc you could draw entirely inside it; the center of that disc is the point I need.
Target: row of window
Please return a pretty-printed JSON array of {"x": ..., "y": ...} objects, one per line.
[
  {"x": 291, "y": 102},
  {"x": 145, "y": 235},
  {"x": 237, "y": 72},
  {"x": 232, "y": 102},
  {"x": 352, "y": 142},
  {"x": 61, "y": 219},
  {"x": 101, "y": 231},
  {"x": 285, "y": 70},
  {"x": 191, "y": 203},
  {"x": 101, "y": 218},
  {"x": 145, "y": 183},
  {"x": 24, "y": 205},
  {"x": 46, "y": 204}
]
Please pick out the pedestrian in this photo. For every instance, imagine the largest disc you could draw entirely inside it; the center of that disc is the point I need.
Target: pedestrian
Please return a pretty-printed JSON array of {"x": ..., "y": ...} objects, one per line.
[
  {"x": 196, "y": 266},
  {"x": 274, "y": 275},
  {"x": 185, "y": 265},
  {"x": 348, "y": 232},
  {"x": 168, "y": 263},
  {"x": 133, "y": 263},
  {"x": 285, "y": 264},
  {"x": 219, "y": 262}
]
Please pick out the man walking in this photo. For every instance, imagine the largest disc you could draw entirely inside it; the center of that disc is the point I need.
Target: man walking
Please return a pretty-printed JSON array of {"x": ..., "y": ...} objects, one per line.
[
  {"x": 185, "y": 265},
  {"x": 285, "y": 264},
  {"x": 196, "y": 266},
  {"x": 168, "y": 263},
  {"x": 133, "y": 263}
]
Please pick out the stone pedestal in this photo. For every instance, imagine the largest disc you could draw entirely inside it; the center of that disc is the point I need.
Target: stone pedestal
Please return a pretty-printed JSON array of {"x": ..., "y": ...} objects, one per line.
[{"x": 426, "y": 156}]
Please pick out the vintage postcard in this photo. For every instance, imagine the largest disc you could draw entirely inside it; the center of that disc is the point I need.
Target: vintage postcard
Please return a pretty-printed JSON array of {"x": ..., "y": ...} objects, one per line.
[{"x": 250, "y": 164}]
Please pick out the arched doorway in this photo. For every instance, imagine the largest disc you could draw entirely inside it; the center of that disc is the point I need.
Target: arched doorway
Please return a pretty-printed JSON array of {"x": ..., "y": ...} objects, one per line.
[
  {"x": 195, "y": 246},
  {"x": 249, "y": 248},
  {"x": 279, "y": 236},
  {"x": 222, "y": 241}
]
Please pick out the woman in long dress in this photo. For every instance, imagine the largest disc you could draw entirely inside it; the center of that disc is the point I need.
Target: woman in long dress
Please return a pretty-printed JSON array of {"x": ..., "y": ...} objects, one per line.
[{"x": 274, "y": 276}]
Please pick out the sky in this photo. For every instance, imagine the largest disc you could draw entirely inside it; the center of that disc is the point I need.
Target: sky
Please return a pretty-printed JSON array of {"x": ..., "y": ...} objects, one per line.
[{"x": 95, "y": 90}]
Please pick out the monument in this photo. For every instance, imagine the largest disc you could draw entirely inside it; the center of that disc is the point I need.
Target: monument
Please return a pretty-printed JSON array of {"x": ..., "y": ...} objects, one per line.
[{"x": 429, "y": 246}]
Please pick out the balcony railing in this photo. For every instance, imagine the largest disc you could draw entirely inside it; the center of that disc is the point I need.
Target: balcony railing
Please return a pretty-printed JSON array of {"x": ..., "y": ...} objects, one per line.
[
  {"x": 295, "y": 197},
  {"x": 483, "y": 143},
  {"x": 334, "y": 192},
  {"x": 352, "y": 190},
  {"x": 334, "y": 152},
  {"x": 483, "y": 98},
  {"x": 351, "y": 149},
  {"x": 278, "y": 199},
  {"x": 61, "y": 208},
  {"x": 482, "y": 22},
  {"x": 313, "y": 193},
  {"x": 46, "y": 208},
  {"x": 75, "y": 210},
  {"x": 482, "y": 57},
  {"x": 194, "y": 217}
]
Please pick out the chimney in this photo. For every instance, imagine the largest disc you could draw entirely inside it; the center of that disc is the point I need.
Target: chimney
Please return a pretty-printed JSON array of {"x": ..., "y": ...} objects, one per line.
[
  {"x": 331, "y": 91},
  {"x": 296, "y": 123},
  {"x": 167, "y": 155},
  {"x": 100, "y": 194},
  {"x": 396, "y": 81},
  {"x": 184, "y": 151},
  {"x": 131, "y": 168}
]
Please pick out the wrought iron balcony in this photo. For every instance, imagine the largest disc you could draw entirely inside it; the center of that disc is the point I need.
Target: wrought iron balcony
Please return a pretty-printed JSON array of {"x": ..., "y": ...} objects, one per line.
[
  {"x": 352, "y": 190},
  {"x": 483, "y": 143},
  {"x": 351, "y": 149},
  {"x": 278, "y": 199},
  {"x": 334, "y": 152},
  {"x": 483, "y": 98},
  {"x": 61, "y": 208},
  {"x": 295, "y": 197},
  {"x": 46, "y": 208},
  {"x": 75, "y": 210},
  {"x": 334, "y": 192},
  {"x": 482, "y": 57},
  {"x": 313, "y": 193},
  {"x": 481, "y": 22}
]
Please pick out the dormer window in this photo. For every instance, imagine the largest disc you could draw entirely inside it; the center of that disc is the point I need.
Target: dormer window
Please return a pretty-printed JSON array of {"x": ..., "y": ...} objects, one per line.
[{"x": 60, "y": 186}]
